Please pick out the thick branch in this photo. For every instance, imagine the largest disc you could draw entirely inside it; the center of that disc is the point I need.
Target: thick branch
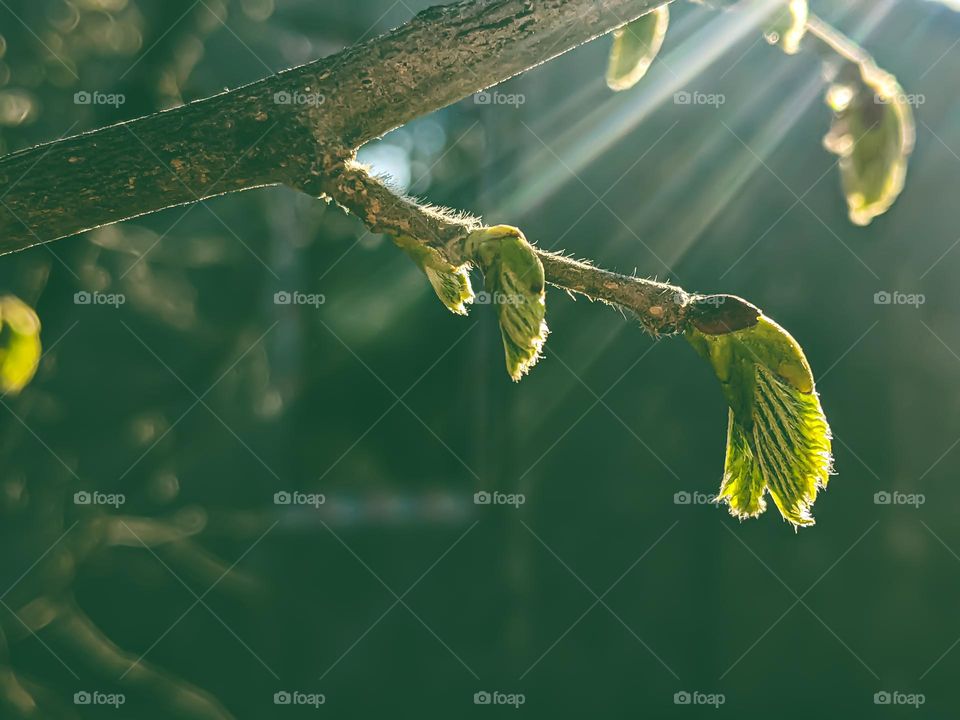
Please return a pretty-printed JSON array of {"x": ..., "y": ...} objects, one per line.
[{"x": 250, "y": 137}]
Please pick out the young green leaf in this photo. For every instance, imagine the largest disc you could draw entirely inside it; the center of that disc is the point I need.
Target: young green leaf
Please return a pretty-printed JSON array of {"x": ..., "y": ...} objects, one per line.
[
  {"x": 873, "y": 132},
  {"x": 19, "y": 344},
  {"x": 515, "y": 284},
  {"x": 451, "y": 283},
  {"x": 778, "y": 439},
  {"x": 635, "y": 46},
  {"x": 789, "y": 26}
]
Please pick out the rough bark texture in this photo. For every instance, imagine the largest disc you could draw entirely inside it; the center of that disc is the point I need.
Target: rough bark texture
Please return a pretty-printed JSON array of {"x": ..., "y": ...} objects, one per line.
[
  {"x": 182, "y": 156},
  {"x": 245, "y": 139},
  {"x": 302, "y": 127}
]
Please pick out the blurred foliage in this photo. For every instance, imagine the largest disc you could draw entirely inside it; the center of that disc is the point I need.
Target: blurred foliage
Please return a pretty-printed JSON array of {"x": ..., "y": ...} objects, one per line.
[
  {"x": 635, "y": 46},
  {"x": 19, "y": 344},
  {"x": 873, "y": 133}
]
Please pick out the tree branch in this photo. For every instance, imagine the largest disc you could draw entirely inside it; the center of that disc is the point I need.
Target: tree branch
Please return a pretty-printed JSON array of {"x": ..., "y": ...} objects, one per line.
[
  {"x": 658, "y": 306},
  {"x": 302, "y": 127},
  {"x": 251, "y": 137}
]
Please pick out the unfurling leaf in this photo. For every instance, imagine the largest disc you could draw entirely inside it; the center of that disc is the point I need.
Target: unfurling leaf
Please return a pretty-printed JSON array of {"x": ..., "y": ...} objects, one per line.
[
  {"x": 514, "y": 282},
  {"x": 19, "y": 344},
  {"x": 450, "y": 282},
  {"x": 873, "y": 133},
  {"x": 635, "y": 46},
  {"x": 778, "y": 439},
  {"x": 789, "y": 26}
]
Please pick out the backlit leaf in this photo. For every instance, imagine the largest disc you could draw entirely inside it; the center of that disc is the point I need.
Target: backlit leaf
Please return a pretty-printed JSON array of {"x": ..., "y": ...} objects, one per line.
[
  {"x": 873, "y": 132},
  {"x": 515, "y": 285},
  {"x": 451, "y": 283},
  {"x": 778, "y": 439},
  {"x": 635, "y": 46},
  {"x": 19, "y": 344}
]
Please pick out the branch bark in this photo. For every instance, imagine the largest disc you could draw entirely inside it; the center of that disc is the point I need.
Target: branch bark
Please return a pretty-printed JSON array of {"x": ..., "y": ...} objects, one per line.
[{"x": 302, "y": 127}]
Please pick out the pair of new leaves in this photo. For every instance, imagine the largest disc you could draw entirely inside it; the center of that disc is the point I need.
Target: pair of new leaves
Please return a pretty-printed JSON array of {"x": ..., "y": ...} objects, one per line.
[
  {"x": 514, "y": 282},
  {"x": 778, "y": 438},
  {"x": 873, "y": 129}
]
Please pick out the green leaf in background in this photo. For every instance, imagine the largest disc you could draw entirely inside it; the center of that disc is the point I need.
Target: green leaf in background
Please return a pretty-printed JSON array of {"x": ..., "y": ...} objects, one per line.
[
  {"x": 514, "y": 281},
  {"x": 778, "y": 439},
  {"x": 873, "y": 132},
  {"x": 635, "y": 46},
  {"x": 789, "y": 26},
  {"x": 451, "y": 283},
  {"x": 19, "y": 344}
]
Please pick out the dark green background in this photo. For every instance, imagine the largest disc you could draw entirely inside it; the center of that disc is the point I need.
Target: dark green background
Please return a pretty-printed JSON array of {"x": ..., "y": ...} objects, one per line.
[{"x": 780, "y": 623}]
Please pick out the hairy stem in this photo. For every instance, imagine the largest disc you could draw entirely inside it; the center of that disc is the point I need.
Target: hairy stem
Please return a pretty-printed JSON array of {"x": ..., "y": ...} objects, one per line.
[{"x": 660, "y": 308}]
